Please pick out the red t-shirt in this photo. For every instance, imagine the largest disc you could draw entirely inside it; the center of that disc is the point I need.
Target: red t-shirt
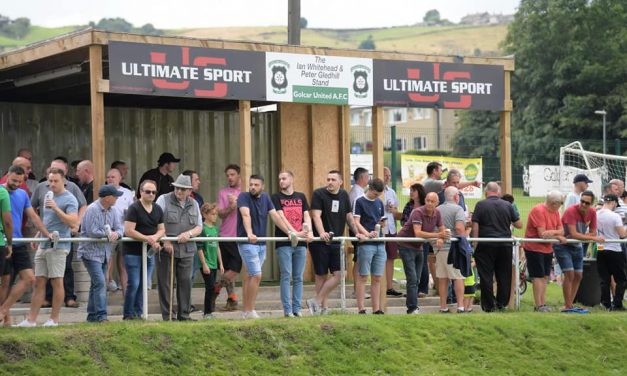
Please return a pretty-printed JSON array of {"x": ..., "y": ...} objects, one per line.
[
  {"x": 540, "y": 216},
  {"x": 584, "y": 224}
]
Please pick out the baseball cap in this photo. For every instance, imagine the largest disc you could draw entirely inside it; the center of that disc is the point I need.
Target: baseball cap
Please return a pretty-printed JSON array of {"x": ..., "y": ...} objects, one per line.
[
  {"x": 109, "y": 190},
  {"x": 581, "y": 177},
  {"x": 167, "y": 158},
  {"x": 610, "y": 197}
]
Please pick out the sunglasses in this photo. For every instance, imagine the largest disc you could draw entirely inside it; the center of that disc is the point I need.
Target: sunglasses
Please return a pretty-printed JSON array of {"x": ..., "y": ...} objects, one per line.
[{"x": 149, "y": 192}]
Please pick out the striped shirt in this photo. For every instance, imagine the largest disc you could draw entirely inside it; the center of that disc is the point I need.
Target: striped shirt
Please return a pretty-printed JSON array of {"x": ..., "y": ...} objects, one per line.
[{"x": 93, "y": 226}]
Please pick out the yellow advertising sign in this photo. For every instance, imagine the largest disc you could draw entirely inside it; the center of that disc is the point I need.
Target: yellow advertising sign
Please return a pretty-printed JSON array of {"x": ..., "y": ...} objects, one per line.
[{"x": 414, "y": 170}]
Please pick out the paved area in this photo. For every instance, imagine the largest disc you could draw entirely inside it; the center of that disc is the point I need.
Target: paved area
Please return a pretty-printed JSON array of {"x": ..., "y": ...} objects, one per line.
[{"x": 268, "y": 305}]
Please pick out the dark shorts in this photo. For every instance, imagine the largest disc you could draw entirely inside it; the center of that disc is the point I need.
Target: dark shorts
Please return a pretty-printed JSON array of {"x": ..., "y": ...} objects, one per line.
[
  {"x": 5, "y": 264},
  {"x": 539, "y": 264},
  {"x": 391, "y": 248},
  {"x": 325, "y": 258},
  {"x": 230, "y": 256},
  {"x": 20, "y": 260},
  {"x": 355, "y": 249},
  {"x": 469, "y": 290}
]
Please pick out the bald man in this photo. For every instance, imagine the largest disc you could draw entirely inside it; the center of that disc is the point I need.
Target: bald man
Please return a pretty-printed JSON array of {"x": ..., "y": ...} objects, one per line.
[
  {"x": 492, "y": 219},
  {"x": 85, "y": 176},
  {"x": 26, "y": 166}
]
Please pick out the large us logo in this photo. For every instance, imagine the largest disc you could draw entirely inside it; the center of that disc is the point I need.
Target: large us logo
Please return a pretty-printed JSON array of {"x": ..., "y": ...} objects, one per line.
[
  {"x": 279, "y": 76},
  {"x": 360, "y": 80}
]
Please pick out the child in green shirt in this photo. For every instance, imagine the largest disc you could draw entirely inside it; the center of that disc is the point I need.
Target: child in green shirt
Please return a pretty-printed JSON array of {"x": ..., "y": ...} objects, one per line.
[{"x": 210, "y": 257}]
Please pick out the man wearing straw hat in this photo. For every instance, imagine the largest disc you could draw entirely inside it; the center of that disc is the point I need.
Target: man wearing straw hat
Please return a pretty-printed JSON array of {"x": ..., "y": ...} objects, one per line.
[{"x": 182, "y": 220}]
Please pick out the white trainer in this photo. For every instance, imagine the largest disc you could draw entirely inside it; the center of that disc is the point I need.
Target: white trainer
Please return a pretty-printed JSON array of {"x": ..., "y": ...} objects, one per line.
[
  {"x": 314, "y": 307},
  {"x": 50, "y": 323},
  {"x": 254, "y": 315},
  {"x": 26, "y": 324}
]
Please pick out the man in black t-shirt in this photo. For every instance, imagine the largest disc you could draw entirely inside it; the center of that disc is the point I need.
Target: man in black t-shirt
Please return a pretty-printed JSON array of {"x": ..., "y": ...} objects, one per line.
[
  {"x": 144, "y": 222},
  {"x": 161, "y": 175},
  {"x": 492, "y": 219},
  {"x": 330, "y": 211},
  {"x": 293, "y": 209}
]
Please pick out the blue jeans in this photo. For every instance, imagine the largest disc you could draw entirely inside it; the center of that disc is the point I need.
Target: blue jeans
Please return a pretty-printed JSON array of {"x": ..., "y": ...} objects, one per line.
[
  {"x": 150, "y": 269},
  {"x": 97, "y": 303},
  {"x": 292, "y": 266},
  {"x": 412, "y": 263},
  {"x": 133, "y": 299},
  {"x": 423, "y": 280}
]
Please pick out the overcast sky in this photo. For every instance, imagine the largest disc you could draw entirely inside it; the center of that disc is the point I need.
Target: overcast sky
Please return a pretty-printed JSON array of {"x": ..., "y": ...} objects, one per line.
[{"x": 212, "y": 13}]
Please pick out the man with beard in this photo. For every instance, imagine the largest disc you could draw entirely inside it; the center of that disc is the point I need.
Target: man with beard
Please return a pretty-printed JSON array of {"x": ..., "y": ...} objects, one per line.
[
  {"x": 227, "y": 211},
  {"x": 330, "y": 211},
  {"x": 254, "y": 207},
  {"x": 20, "y": 258},
  {"x": 293, "y": 208},
  {"x": 161, "y": 174}
]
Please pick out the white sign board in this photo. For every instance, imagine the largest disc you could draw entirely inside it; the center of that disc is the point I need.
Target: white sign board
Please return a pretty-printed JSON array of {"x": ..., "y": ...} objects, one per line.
[
  {"x": 318, "y": 79},
  {"x": 363, "y": 161},
  {"x": 541, "y": 179}
]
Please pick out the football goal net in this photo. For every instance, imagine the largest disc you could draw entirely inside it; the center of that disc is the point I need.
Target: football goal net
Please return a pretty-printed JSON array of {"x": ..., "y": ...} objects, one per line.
[{"x": 600, "y": 168}]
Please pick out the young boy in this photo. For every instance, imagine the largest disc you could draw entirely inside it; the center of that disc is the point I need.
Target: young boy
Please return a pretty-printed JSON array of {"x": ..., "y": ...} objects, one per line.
[
  {"x": 369, "y": 213},
  {"x": 469, "y": 289},
  {"x": 210, "y": 256}
]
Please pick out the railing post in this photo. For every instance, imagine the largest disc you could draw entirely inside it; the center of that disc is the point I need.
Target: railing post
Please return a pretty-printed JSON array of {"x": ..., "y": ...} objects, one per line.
[
  {"x": 516, "y": 250},
  {"x": 343, "y": 274},
  {"x": 145, "y": 280}
]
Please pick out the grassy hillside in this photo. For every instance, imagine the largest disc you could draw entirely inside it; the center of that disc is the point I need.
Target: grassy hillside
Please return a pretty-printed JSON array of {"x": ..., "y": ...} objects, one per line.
[
  {"x": 36, "y": 34},
  {"x": 449, "y": 40},
  {"x": 456, "y": 40},
  {"x": 472, "y": 344}
]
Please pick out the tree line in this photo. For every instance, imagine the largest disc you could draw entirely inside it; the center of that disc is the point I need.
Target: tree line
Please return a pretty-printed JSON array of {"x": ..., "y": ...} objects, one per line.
[{"x": 570, "y": 61}]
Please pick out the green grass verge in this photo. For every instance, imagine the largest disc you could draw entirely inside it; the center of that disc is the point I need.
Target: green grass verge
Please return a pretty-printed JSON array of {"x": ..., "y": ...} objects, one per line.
[{"x": 475, "y": 344}]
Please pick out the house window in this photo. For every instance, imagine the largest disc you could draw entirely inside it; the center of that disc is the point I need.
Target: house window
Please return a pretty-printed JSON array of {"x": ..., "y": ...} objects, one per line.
[
  {"x": 422, "y": 113},
  {"x": 420, "y": 143},
  {"x": 401, "y": 144},
  {"x": 368, "y": 118},
  {"x": 397, "y": 115},
  {"x": 356, "y": 118}
]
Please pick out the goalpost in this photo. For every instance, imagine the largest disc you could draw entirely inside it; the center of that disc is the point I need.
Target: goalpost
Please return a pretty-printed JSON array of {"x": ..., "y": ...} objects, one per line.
[{"x": 600, "y": 168}]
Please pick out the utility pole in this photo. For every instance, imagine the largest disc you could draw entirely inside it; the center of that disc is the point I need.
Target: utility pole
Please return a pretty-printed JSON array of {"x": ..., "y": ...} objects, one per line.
[{"x": 293, "y": 22}]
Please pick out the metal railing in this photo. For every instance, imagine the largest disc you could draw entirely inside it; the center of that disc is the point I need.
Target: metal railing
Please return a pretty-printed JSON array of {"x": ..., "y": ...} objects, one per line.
[{"x": 516, "y": 243}]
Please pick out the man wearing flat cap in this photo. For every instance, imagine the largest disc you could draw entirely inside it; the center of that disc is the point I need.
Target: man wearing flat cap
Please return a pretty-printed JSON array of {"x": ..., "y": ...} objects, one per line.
[
  {"x": 99, "y": 221},
  {"x": 161, "y": 174},
  {"x": 580, "y": 182},
  {"x": 182, "y": 220}
]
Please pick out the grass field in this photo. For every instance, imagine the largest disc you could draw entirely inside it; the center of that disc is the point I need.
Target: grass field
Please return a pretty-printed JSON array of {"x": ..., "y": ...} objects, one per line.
[{"x": 472, "y": 344}]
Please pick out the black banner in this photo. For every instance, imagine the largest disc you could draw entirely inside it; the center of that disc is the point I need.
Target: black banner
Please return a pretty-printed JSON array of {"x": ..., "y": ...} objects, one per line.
[
  {"x": 442, "y": 85},
  {"x": 151, "y": 69}
]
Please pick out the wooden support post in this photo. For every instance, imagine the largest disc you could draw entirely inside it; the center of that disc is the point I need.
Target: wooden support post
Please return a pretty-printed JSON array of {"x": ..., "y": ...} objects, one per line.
[
  {"x": 97, "y": 115},
  {"x": 245, "y": 143},
  {"x": 377, "y": 165},
  {"x": 345, "y": 143},
  {"x": 246, "y": 163},
  {"x": 506, "y": 139}
]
